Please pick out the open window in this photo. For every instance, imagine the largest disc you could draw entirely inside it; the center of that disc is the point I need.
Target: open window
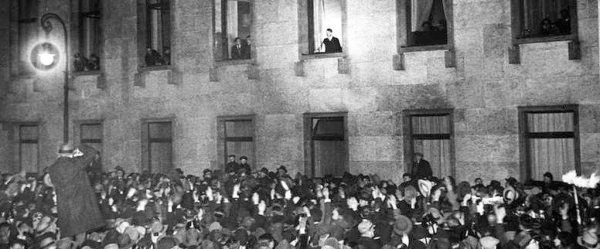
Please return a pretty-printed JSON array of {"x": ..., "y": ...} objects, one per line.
[
  {"x": 535, "y": 20},
  {"x": 28, "y": 26},
  {"x": 232, "y": 29},
  {"x": 87, "y": 55},
  {"x": 428, "y": 22},
  {"x": 157, "y": 142},
  {"x": 326, "y": 144},
  {"x": 549, "y": 140},
  {"x": 154, "y": 27},
  {"x": 322, "y": 26},
  {"x": 236, "y": 137},
  {"x": 29, "y": 148},
  {"x": 430, "y": 132}
]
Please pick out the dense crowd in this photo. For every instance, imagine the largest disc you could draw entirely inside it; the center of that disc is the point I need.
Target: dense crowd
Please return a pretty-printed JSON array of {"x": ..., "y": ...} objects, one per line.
[{"x": 243, "y": 207}]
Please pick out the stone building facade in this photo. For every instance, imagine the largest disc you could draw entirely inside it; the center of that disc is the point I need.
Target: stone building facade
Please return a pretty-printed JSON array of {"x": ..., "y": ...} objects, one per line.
[{"x": 482, "y": 76}]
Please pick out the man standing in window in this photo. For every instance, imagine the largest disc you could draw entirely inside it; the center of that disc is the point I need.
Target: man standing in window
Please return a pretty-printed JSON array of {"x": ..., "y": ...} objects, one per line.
[
  {"x": 232, "y": 165},
  {"x": 331, "y": 43},
  {"x": 421, "y": 168},
  {"x": 236, "y": 50}
]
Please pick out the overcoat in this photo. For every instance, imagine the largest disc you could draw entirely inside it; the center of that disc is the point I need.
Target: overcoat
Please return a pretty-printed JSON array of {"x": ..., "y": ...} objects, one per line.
[{"x": 78, "y": 209}]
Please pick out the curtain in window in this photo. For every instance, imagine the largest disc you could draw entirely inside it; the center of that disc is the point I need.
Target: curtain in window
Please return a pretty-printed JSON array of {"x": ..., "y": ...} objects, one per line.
[
  {"x": 232, "y": 23},
  {"x": 319, "y": 19},
  {"x": 554, "y": 155},
  {"x": 420, "y": 12},
  {"x": 435, "y": 150},
  {"x": 447, "y": 4}
]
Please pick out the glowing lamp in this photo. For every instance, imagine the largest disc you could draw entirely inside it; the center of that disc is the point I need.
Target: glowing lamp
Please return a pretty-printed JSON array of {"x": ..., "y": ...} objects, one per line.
[{"x": 46, "y": 58}]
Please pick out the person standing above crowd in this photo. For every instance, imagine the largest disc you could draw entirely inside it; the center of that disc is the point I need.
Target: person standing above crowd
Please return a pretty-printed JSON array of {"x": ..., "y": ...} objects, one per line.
[{"x": 421, "y": 168}]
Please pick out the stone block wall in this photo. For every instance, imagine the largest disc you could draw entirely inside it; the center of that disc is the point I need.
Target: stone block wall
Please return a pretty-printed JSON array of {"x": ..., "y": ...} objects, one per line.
[{"x": 483, "y": 89}]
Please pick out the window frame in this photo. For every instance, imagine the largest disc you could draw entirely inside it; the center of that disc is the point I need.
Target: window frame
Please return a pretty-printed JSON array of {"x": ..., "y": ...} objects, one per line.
[
  {"x": 222, "y": 138},
  {"x": 403, "y": 31},
  {"x": 524, "y": 135},
  {"x": 22, "y": 141},
  {"x": 516, "y": 23},
  {"x": 304, "y": 39},
  {"x": 252, "y": 35},
  {"x": 409, "y": 137},
  {"x": 142, "y": 36},
  {"x": 309, "y": 148},
  {"x": 78, "y": 134},
  {"x": 146, "y": 141},
  {"x": 76, "y": 36}
]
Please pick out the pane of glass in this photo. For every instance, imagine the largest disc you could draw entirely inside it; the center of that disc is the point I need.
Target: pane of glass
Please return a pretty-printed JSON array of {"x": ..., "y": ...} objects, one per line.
[
  {"x": 428, "y": 22},
  {"x": 437, "y": 153},
  {"x": 28, "y": 9},
  {"x": 91, "y": 131},
  {"x": 160, "y": 130},
  {"x": 29, "y": 157},
  {"x": 240, "y": 149},
  {"x": 329, "y": 127},
  {"x": 431, "y": 124},
  {"x": 239, "y": 128},
  {"x": 545, "y": 18},
  {"x": 330, "y": 158},
  {"x": 28, "y": 132},
  {"x": 550, "y": 122},
  {"x": 556, "y": 156},
  {"x": 160, "y": 157},
  {"x": 327, "y": 14}
]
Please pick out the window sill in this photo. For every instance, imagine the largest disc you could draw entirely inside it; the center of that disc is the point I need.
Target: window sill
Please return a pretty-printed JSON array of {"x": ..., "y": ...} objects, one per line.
[
  {"x": 86, "y": 73},
  {"x": 234, "y": 62},
  {"x": 322, "y": 56},
  {"x": 543, "y": 39},
  {"x": 157, "y": 68},
  {"x": 425, "y": 48}
]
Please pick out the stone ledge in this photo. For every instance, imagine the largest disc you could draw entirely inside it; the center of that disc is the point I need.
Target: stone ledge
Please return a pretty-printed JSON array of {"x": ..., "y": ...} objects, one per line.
[{"x": 174, "y": 75}]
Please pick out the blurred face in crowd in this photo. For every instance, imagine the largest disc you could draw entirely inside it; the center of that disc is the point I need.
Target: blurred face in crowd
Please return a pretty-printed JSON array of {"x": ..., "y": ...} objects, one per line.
[
  {"x": 547, "y": 179},
  {"x": 231, "y": 159},
  {"x": 491, "y": 218},
  {"x": 418, "y": 157},
  {"x": 17, "y": 246},
  {"x": 406, "y": 178},
  {"x": 478, "y": 181},
  {"x": 243, "y": 161}
]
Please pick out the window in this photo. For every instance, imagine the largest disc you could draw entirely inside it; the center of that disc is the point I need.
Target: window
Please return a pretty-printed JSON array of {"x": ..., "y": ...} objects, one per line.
[
  {"x": 91, "y": 134},
  {"x": 430, "y": 133},
  {"x": 236, "y": 137},
  {"x": 549, "y": 140},
  {"x": 428, "y": 22},
  {"x": 155, "y": 27},
  {"x": 28, "y": 148},
  {"x": 549, "y": 18},
  {"x": 233, "y": 29},
  {"x": 327, "y": 144},
  {"x": 87, "y": 58},
  {"x": 28, "y": 26},
  {"x": 322, "y": 25},
  {"x": 157, "y": 141}
]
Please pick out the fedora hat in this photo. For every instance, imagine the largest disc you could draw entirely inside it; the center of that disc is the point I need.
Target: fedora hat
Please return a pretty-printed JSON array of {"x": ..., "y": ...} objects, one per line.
[
  {"x": 589, "y": 239},
  {"x": 510, "y": 195},
  {"x": 402, "y": 225}
]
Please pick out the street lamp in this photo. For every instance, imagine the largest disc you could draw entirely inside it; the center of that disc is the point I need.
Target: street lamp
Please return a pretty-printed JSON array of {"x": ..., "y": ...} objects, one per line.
[{"x": 48, "y": 57}]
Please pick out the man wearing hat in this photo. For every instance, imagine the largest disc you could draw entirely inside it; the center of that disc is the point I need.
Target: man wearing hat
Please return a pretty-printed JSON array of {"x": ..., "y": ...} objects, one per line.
[
  {"x": 421, "y": 168},
  {"x": 78, "y": 210}
]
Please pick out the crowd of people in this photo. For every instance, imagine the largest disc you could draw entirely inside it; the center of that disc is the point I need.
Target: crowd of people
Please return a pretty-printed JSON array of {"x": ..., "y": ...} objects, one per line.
[{"x": 250, "y": 207}]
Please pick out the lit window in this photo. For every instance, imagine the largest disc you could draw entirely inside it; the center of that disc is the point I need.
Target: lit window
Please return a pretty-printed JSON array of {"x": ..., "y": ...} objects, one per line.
[
  {"x": 90, "y": 42},
  {"x": 233, "y": 29},
  {"x": 158, "y": 33},
  {"x": 322, "y": 26},
  {"x": 427, "y": 22}
]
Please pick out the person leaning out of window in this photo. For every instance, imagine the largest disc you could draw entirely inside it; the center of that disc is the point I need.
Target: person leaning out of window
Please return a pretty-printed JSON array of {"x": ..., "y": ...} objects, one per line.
[{"x": 331, "y": 43}]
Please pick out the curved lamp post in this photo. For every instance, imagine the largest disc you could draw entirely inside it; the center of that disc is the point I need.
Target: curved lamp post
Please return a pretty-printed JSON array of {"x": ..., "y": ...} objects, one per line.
[{"x": 47, "y": 59}]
